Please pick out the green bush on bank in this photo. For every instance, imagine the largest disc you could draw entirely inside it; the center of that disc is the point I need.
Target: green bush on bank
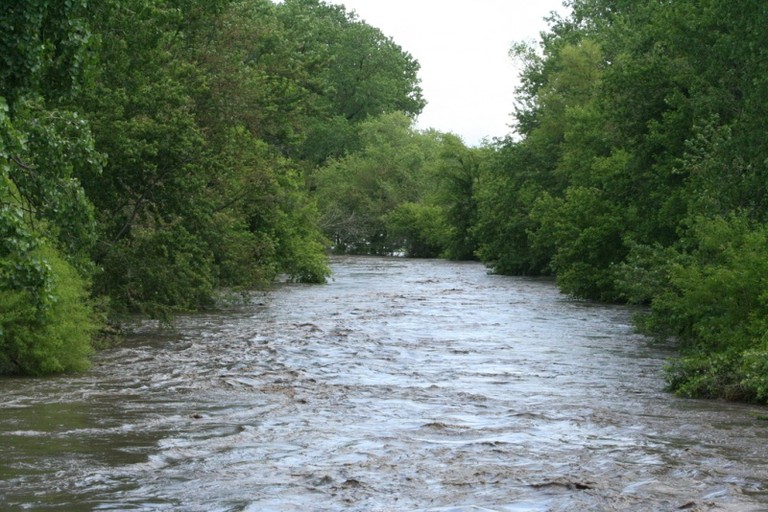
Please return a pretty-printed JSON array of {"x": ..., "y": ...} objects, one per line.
[
  {"x": 716, "y": 305},
  {"x": 49, "y": 337}
]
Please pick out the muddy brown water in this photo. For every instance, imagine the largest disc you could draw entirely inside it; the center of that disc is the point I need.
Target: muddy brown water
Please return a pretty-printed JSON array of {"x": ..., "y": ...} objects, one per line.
[{"x": 402, "y": 385}]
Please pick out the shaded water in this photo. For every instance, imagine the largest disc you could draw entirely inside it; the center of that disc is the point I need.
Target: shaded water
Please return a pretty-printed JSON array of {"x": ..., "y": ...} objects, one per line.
[{"x": 403, "y": 385}]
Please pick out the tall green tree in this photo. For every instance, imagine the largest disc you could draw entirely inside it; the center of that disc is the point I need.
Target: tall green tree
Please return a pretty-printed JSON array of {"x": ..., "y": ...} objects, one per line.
[
  {"x": 197, "y": 107},
  {"x": 46, "y": 223},
  {"x": 358, "y": 73},
  {"x": 406, "y": 191},
  {"x": 148, "y": 197}
]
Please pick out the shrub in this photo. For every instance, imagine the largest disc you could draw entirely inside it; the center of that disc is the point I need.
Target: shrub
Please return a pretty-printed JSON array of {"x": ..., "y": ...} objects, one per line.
[
  {"x": 706, "y": 375},
  {"x": 53, "y": 337},
  {"x": 716, "y": 305}
]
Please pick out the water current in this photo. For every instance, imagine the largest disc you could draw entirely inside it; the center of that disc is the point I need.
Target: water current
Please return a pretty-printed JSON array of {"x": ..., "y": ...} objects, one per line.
[{"x": 402, "y": 385}]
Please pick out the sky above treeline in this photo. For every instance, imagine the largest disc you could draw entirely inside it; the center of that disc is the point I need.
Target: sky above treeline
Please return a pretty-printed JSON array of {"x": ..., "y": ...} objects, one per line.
[{"x": 467, "y": 75}]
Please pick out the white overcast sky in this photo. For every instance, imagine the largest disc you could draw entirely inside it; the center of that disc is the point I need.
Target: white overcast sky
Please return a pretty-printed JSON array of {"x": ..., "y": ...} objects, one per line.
[{"x": 466, "y": 73}]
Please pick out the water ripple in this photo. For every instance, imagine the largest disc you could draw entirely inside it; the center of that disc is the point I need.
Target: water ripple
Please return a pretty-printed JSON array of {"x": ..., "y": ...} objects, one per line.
[{"x": 401, "y": 385}]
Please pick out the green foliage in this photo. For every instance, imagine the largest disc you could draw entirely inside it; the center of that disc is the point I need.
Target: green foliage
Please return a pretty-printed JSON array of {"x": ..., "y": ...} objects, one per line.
[
  {"x": 644, "y": 273},
  {"x": 349, "y": 72},
  {"x": 300, "y": 244},
  {"x": 586, "y": 231},
  {"x": 418, "y": 229},
  {"x": 513, "y": 179},
  {"x": 457, "y": 175},
  {"x": 355, "y": 193},
  {"x": 716, "y": 296},
  {"x": 715, "y": 303},
  {"x": 43, "y": 47},
  {"x": 165, "y": 269},
  {"x": 753, "y": 372},
  {"x": 258, "y": 77},
  {"x": 368, "y": 75},
  {"x": 706, "y": 375},
  {"x": 729, "y": 374},
  {"x": 46, "y": 222},
  {"x": 194, "y": 110},
  {"x": 404, "y": 191},
  {"x": 241, "y": 194},
  {"x": 57, "y": 146},
  {"x": 640, "y": 175},
  {"x": 50, "y": 335}
]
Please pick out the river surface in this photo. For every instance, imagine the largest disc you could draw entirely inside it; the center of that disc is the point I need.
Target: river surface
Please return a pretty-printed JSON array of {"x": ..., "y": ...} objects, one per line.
[{"x": 402, "y": 385}]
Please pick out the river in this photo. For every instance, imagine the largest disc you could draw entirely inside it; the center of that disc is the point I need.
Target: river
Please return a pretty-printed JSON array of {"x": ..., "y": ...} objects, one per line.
[{"x": 401, "y": 385}]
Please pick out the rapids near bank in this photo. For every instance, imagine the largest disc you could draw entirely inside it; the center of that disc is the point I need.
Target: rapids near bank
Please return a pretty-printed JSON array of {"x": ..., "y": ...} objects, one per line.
[{"x": 402, "y": 385}]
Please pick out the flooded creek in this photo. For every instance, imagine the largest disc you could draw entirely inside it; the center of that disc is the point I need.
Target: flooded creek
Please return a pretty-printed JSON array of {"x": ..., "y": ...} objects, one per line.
[{"x": 402, "y": 385}]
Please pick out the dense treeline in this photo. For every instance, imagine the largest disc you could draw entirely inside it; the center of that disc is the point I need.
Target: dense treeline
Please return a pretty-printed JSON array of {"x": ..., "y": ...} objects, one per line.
[
  {"x": 640, "y": 175},
  {"x": 403, "y": 191},
  {"x": 153, "y": 153}
]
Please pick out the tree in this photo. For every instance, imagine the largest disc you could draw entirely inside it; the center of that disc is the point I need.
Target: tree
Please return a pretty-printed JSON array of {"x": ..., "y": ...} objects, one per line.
[
  {"x": 457, "y": 175},
  {"x": 357, "y": 193},
  {"x": 46, "y": 223},
  {"x": 356, "y": 73},
  {"x": 640, "y": 175},
  {"x": 197, "y": 106}
]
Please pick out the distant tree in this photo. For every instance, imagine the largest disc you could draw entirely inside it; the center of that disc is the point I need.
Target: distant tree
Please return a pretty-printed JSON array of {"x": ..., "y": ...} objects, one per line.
[
  {"x": 456, "y": 177},
  {"x": 356, "y": 192},
  {"x": 406, "y": 191},
  {"x": 357, "y": 73}
]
